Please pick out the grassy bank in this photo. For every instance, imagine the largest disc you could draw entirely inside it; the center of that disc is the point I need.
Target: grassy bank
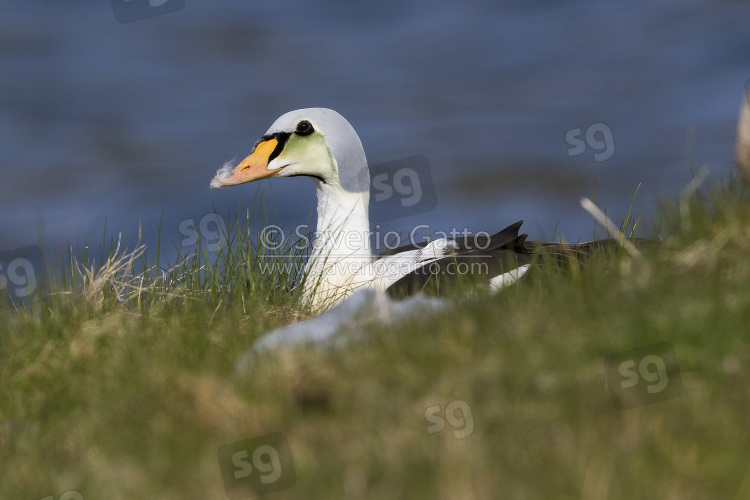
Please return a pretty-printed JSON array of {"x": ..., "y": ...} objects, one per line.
[{"x": 123, "y": 387}]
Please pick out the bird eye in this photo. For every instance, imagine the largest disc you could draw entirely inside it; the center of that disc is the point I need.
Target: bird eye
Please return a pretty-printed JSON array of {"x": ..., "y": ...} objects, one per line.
[{"x": 304, "y": 128}]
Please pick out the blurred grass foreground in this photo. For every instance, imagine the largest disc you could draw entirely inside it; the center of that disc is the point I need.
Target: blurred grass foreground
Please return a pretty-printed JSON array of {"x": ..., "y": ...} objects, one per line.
[{"x": 627, "y": 378}]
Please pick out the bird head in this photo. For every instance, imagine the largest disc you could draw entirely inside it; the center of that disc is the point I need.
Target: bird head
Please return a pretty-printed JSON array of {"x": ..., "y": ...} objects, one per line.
[{"x": 313, "y": 142}]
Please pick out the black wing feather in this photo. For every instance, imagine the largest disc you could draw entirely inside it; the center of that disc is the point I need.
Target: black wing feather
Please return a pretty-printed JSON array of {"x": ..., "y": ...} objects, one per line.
[{"x": 503, "y": 252}]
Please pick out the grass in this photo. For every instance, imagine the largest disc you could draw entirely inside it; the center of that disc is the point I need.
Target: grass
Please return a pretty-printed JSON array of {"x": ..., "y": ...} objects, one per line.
[{"x": 119, "y": 384}]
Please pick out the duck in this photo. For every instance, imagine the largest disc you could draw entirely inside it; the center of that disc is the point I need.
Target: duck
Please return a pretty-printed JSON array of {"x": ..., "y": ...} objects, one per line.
[{"x": 321, "y": 144}]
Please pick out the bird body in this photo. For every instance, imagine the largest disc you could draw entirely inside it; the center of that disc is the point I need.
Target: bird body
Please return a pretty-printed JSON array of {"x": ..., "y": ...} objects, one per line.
[{"x": 322, "y": 144}]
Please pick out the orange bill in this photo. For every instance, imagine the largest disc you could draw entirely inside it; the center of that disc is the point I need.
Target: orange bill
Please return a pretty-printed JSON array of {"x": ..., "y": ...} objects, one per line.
[{"x": 252, "y": 168}]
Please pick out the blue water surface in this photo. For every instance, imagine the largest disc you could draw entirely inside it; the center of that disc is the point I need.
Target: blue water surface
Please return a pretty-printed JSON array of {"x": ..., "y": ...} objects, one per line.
[{"x": 125, "y": 124}]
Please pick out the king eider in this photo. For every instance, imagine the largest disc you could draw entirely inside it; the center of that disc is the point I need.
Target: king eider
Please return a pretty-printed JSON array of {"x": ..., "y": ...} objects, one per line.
[{"x": 321, "y": 144}]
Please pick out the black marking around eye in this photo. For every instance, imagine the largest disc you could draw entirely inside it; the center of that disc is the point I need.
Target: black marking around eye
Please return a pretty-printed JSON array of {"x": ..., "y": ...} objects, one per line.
[{"x": 304, "y": 128}]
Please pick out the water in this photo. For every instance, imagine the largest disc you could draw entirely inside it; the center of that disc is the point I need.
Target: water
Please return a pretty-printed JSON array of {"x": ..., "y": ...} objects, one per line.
[{"x": 127, "y": 123}]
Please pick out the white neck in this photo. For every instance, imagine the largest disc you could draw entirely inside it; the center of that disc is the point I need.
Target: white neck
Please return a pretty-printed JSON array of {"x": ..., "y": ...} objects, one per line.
[{"x": 341, "y": 249}]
